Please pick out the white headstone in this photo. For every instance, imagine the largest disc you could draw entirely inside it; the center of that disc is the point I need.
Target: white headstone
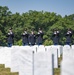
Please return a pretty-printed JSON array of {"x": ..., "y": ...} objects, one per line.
[
  {"x": 47, "y": 48},
  {"x": 42, "y": 63},
  {"x": 15, "y": 54},
  {"x": 34, "y": 48},
  {"x": 41, "y": 48},
  {"x": 72, "y": 46},
  {"x": 26, "y": 62},
  {"x": 67, "y": 65},
  {"x": 54, "y": 51},
  {"x": 65, "y": 49},
  {"x": 5, "y": 56}
]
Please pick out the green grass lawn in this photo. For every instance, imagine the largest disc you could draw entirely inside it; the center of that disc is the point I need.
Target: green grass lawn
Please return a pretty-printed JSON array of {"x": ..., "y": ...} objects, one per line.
[{"x": 6, "y": 71}]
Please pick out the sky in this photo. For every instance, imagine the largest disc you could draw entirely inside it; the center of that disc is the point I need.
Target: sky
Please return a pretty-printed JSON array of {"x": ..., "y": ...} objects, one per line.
[{"x": 62, "y": 7}]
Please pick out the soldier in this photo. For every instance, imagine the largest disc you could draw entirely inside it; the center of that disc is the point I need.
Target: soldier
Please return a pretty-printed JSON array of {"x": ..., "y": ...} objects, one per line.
[
  {"x": 69, "y": 37},
  {"x": 32, "y": 38},
  {"x": 55, "y": 37},
  {"x": 25, "y": 38},
  {"x": 39, "y": 39},
  {"x": 10, "y": 37}
]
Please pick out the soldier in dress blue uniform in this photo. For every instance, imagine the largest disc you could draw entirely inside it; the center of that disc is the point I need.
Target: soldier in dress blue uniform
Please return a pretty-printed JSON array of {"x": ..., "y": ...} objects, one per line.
[
  {"x": 32, "y": 38},
  {"x": 10, "y": 37},
  {"x": 39, "y": 39},
  {"x": 25, "y": 38},
  {"x": 55, "y": 37},
  {"x": 69, "y": 37}
]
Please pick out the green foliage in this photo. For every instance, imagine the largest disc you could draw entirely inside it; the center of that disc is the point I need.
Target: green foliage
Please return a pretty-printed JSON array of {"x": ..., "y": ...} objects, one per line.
[
  {"x": 45, "y": 37},
  {"x": 19, "y": 42},
  {"x": 48, "y": 42},
  {"x": 32, "y": 20},
  {"x": 2, "y": 39}
]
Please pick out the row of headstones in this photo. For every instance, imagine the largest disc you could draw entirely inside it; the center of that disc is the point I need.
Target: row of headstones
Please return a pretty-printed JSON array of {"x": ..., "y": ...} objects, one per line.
[
  {"x": 67, "y": 64},
  {"x": 34, "y": 60}
]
